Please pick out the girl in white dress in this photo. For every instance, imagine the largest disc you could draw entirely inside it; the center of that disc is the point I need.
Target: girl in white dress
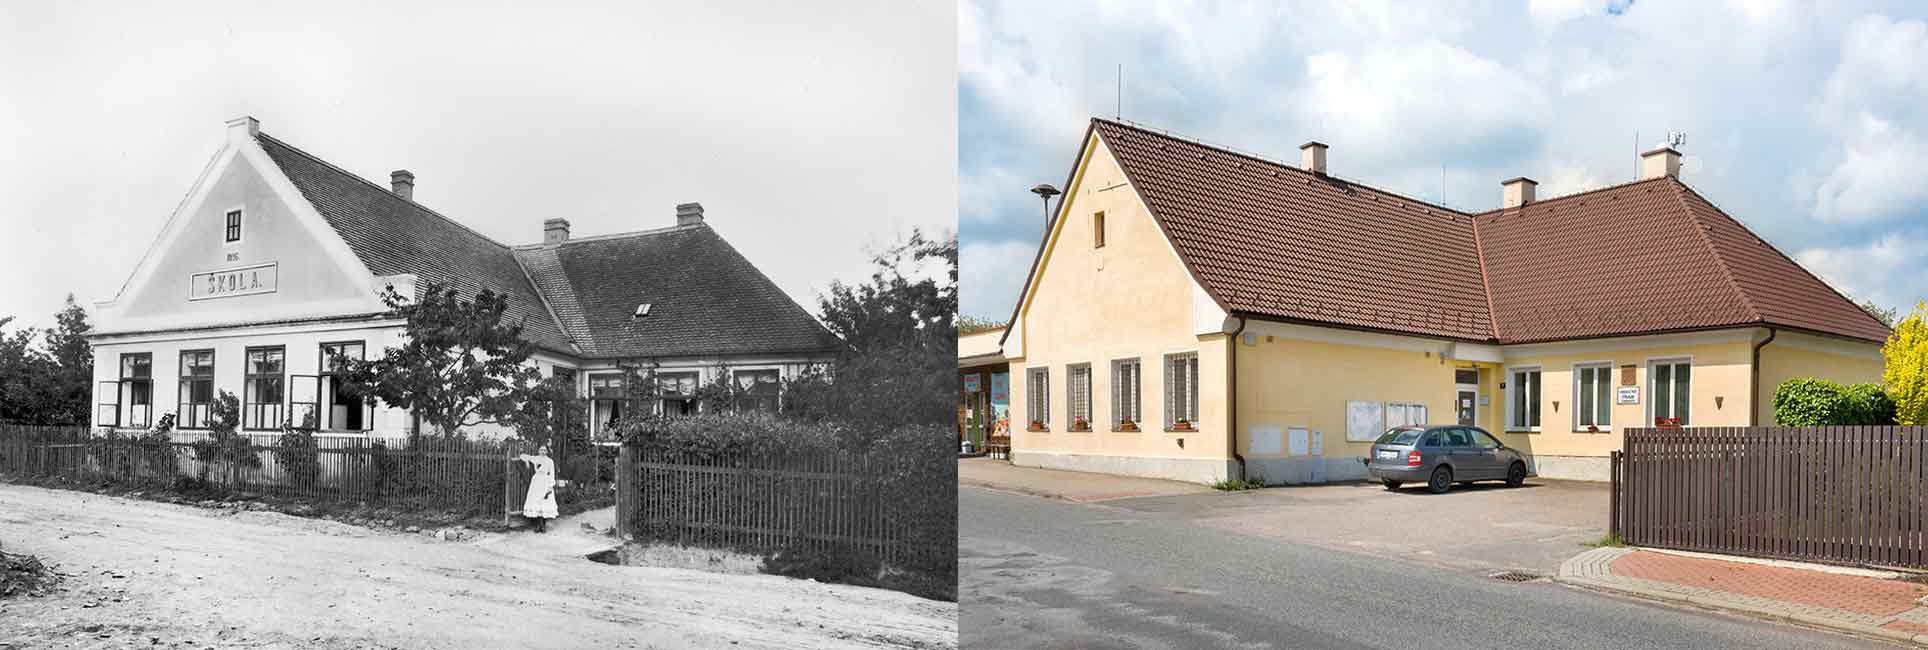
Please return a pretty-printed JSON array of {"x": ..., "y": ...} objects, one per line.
[{"x": 540, "y": 505}]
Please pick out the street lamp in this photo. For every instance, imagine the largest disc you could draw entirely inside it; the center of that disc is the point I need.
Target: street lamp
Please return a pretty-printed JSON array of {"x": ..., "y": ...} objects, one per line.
[{"x": 1046, "y": 191}]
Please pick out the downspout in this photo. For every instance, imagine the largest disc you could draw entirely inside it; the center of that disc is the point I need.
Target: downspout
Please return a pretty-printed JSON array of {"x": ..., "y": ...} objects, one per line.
[
  {"x": 1231, "y": 393},
  {"x": 1754, "y": 393}
]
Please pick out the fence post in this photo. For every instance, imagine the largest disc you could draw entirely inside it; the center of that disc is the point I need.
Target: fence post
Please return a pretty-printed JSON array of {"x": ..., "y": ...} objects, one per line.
[
  {"x": 1613, "y": 495},
  {"x": 626, "y": 491}
]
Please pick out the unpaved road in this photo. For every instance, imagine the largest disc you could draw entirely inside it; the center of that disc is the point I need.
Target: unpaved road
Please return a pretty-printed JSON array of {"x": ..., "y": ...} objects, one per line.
[{"x": 146, "y": 574}]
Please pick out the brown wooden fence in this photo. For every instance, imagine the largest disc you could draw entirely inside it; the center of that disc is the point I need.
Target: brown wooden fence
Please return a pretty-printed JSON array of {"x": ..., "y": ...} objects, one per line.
[
  {"x": 1840, "y": 495},
  {"x": 460, "y": 476},
  {"x": 821, "y": 501}
]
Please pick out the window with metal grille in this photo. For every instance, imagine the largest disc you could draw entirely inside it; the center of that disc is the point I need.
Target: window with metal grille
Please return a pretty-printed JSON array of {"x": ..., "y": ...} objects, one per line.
[
  {"x": 234, "y": 226},
  {"x": 1125, "y": 394},
  {"x": 1037, "y": 398},
  {"x": 1671, "y": 391},
  {"x": 137, "y": 389},
  {"x": 1078, "y": 378},
  {"x": 197, "y": 389},
  {"x": 1523, "y": 399},
  {"x": 1181, "y": 391},
  {"x": 261, "y": 400},
  {"x": 1592, "y": 396}
]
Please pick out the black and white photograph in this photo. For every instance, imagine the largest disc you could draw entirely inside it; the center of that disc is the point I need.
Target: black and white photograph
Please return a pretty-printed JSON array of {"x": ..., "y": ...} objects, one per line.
[{"x": 437, "y": 326}]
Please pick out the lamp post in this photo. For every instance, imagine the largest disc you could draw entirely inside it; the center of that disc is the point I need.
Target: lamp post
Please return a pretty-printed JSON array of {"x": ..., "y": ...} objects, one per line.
[{"x": 1046, "y": 191}]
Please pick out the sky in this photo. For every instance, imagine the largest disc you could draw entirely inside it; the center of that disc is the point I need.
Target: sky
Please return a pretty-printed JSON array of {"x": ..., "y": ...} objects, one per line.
[
  {"x": 1806, "y": 121},
  {"x": 812, "y": 138}
]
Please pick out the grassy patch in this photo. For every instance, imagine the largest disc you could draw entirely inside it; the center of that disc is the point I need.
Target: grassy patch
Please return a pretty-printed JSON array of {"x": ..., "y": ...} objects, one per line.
[
  {"x": 1609, "y": 540},
  {"x": 1233, "y": 485}
]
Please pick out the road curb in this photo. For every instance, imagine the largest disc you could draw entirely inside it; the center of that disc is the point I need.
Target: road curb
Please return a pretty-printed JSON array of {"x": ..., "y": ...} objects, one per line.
[{"x": 1565, "y": 577}]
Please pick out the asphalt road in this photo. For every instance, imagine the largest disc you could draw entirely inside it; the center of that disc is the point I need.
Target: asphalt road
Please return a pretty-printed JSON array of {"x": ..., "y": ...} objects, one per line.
[{"x": 1044, "y": 573}]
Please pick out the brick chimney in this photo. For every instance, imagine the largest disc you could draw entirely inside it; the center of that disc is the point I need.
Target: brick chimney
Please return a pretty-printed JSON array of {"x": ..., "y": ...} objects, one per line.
[
  {"x": 403, "y": 183},
  {"x": 689, "y": 214},
  {"x": 555, "y": 231},
  {"x": 1312, "y": 157},
  {"x": 1664, "y": 161},
  {"x": 1517, "y": 192}
]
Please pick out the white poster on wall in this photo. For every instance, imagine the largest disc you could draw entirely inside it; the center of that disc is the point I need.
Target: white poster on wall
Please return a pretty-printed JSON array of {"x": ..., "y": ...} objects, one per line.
[
  {"x": 1364, "y": 421},
  {"x": 1298, "y": 439},
  {"x": 1266, "y": 439}
]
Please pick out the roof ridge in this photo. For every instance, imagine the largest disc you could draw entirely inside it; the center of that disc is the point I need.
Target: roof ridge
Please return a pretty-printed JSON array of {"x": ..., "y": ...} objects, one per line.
[
  {"x": 543, "y": 297},
  {"x": 1564, "y": 197},
  {"x": 1479, "y": 253},
  {"x": 1283, "y": 165},
  {"x": 385, "y": 191},
  {"x": 620, "y": 235},
  {"x": 1727, "y": 270}
]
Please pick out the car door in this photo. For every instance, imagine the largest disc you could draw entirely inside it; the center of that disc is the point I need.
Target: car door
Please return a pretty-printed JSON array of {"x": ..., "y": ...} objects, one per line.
[
  {"x": 1468, "y": 463},
  {"x": 1484, "y": 451}
]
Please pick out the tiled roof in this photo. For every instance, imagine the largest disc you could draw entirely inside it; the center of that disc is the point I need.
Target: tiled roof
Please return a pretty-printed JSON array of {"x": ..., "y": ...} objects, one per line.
[
  {"x": 1275, "y": 241},
  {"x": 1272, "y": 241},
  {"x": 393, "y": 235},
  {"x": 705, "y": 297}
]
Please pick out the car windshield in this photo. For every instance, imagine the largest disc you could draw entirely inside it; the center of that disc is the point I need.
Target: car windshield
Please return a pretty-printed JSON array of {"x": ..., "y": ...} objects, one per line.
[{"x": 1399, "y": 436}]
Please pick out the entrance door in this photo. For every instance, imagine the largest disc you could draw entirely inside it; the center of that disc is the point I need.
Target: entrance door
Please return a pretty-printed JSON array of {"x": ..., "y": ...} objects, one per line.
[{"x": 1465, "y": 404}]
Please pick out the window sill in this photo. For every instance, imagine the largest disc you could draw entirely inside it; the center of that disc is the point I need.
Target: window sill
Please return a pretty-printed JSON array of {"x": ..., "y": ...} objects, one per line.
[
  {"x": 1184, "y": 430},
  {"x": 1038, "y": 429},
  {"x": 1603, "y": 430},
  {"x": 1522, "y": 431},
  {"x": 1125, "y": 429},
  {"x": 1078, "y": 430}
]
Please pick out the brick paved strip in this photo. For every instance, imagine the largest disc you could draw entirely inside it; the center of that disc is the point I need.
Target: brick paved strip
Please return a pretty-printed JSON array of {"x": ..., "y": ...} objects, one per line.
[{"x": 1870, "y": 596}]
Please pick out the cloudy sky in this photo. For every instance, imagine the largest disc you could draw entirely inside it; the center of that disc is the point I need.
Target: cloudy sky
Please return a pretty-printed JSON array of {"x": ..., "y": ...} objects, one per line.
[
  {"x": 1806, "y": 121},
  {"x": 811, "y": 137}
]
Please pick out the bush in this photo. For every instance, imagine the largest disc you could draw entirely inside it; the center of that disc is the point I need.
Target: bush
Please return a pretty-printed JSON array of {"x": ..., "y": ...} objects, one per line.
[
  {"x": 1811, "y": 402},
  {"x": 1905, "y": 370},
  {"x": 298, "y": 456}
]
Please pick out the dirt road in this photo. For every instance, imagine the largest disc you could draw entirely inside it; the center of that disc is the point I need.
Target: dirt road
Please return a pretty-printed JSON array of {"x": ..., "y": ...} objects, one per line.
[{"x": 160, "y": 575}]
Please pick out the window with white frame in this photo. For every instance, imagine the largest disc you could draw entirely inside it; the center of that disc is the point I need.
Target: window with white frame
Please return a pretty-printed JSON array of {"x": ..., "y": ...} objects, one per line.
[
  {"x": 233, "y": 232},
  {"x": 1523, "y": 399},
  {"x": 1078, "y": 383},
  {"x": 196, "y": 393},
  {"x": 1671, "y": 387},
  {"x": 1037, "y": 398},
  {"x": 137, "y": 389},
  {"x": 1181, "y": 391},
  {"x": 262, "y": 388},
  {"x": 1592, "y": 396},
  {"x": 677, "y": 392},
  {"x": 1125, "y": 393},
  {"x": 757, "y": 390}
]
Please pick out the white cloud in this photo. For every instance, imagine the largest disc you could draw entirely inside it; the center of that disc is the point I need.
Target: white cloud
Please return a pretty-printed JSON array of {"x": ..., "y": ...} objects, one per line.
[
  {"x": 1886, "y": 271},
  {"x": 992, "y": 275},
  {"x": 1871, "y": 105},
  {"x": 1422, "y": 101}
]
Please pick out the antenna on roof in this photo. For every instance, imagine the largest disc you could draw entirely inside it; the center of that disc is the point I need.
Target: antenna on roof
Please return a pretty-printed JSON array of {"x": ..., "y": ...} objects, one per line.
[
  {"x": 1676, "y": 139},
  {"x": 1121, "y": 93}
]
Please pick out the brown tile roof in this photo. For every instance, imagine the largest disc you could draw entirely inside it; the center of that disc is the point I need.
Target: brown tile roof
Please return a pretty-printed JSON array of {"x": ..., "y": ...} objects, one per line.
[
  {"x": 576, "y": 298},
  {"x": 1271, "y": 241},
  {"x": 705, "y": 298}
]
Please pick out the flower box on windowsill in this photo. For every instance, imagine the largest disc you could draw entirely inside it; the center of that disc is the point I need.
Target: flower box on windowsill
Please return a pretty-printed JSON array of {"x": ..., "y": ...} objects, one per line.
[
  {"x": 1128, "y": 426},
  {"x": 1036, "y": 426},
  {"x": 1182, "y": 425},
  {"x": 1668, "y": 423},
  {"x": 1080, "y": 424}
]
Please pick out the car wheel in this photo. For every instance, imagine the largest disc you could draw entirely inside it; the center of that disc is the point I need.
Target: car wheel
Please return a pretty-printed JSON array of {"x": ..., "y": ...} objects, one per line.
[
  {"x": 1390, "y": 484},
  {"x": 1441, "y": 481},
  {"x": 1516, "y": 474}
]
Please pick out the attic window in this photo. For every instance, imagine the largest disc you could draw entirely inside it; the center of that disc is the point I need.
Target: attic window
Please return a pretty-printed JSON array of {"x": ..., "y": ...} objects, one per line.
[
  {"x": 1098, "y": 230},
  {"x": 234, "y": 226}
]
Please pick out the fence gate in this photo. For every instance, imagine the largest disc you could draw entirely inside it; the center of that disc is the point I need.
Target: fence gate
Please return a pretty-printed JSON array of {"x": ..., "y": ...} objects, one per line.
[{"x": 1841, "y": 495}]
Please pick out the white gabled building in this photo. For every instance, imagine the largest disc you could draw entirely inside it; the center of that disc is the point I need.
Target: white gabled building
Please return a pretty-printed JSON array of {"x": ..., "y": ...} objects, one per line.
[{"x": 276, "y": 255}]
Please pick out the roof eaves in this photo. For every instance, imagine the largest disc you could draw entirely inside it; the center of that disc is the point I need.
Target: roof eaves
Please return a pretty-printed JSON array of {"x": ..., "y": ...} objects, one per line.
[{"x": 1084, "y": 144}]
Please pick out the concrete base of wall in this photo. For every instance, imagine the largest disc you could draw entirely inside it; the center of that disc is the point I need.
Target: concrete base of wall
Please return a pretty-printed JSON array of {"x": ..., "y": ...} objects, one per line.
[
  {"x": 1572, "y": 468},
  {"x": 1190, "y": 470},
  {"x": 1305, "y": 470}
]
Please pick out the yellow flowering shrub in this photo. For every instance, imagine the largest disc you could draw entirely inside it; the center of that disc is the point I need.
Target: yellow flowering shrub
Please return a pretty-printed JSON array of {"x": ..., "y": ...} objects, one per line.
[{"x": 1906, "y": 371}]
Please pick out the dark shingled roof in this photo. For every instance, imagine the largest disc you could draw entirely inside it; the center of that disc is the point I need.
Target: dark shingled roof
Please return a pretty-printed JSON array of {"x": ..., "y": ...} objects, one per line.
[
  {"x": 707, "y": 298},
  {"x": 1271, "y": 241}
]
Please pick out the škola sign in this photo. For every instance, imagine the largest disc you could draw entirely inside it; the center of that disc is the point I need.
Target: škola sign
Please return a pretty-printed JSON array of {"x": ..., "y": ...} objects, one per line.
[{"x": 243, "y": 281}]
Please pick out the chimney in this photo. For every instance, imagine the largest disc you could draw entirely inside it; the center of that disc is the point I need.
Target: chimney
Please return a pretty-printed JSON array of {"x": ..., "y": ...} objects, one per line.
[
  {"x": 1517, "y": 192},
  {"x": 555, "y": 231},
  {"x": 1312, "y": 157},
  {"x": 403, "y": 183},
  {"x": 243, "y": 128},
  {"x": 1664, "y": 161},
  {"x": 689, "y": 214}
]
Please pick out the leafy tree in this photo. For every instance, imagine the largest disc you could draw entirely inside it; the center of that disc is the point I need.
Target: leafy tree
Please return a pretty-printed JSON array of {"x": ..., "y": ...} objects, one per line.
[
  {"x": 1884, "y": 314},
  {"x": 1906, "y": 368},
  {"x": 975, "y": 324},
  {"x": 900, "y": 333},
  {"x": 49, "y": 383},
  {"x": 460, "y": 365}
]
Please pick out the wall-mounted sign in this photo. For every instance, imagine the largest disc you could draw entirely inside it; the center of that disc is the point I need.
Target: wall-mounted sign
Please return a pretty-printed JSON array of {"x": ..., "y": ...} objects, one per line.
[
  {"x": 1626, "y": 395},
  {"x": 240, "y": 281},
  {"x": 971, "y": 384}
]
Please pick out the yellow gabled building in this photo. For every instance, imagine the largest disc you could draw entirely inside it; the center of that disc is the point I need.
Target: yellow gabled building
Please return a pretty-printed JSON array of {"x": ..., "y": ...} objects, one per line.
[{"x": 1198, "y": 314}]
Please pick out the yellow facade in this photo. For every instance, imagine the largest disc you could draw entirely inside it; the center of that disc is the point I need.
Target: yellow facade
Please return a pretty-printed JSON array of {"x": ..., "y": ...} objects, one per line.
[{"x": 1125, "y": 294}]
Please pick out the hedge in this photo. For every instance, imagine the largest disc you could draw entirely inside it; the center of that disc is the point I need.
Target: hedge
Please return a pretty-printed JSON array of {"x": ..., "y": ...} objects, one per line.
[{"x": 1812, "y": 402}]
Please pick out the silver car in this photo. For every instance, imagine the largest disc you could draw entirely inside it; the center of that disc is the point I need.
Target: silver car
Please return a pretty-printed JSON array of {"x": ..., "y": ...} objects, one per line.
[{"x": 1441, "y": 455}]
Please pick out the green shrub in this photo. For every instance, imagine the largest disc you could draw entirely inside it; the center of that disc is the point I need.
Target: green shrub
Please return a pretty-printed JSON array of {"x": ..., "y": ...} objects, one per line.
[
  {"x": 1235, "y": 485},
  {"x": 1811, "y": 402}
]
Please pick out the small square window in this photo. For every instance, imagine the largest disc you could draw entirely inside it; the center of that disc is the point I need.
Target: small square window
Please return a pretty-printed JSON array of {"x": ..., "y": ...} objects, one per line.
[
  {"x": 1098, "y": 230},
  {"x": 234, "y": 226}
]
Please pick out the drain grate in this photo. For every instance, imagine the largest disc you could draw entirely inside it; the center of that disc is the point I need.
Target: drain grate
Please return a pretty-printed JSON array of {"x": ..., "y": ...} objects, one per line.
[{"x": 1516, "y": 576}]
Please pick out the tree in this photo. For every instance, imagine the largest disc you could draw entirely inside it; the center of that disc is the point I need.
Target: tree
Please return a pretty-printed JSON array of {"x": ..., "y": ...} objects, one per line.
[
  {"x": 1906, "y": 369},
  {"x": 975, "y": 324},
  {"x": 899, "y": 363},
  {"x": 459, "y": 365},
  {"x": 1884, "y": 314},
  {"x": 49, "y": 383}
]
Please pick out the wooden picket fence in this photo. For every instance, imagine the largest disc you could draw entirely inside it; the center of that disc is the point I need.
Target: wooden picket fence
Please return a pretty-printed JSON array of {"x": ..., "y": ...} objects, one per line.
[
  {"x": 1839, "y": 495},
  {"x": 817, "y": 501},
  {"x": 460, "y": 476}
]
